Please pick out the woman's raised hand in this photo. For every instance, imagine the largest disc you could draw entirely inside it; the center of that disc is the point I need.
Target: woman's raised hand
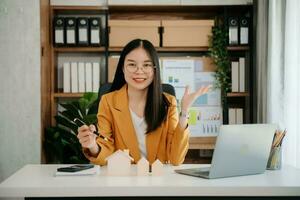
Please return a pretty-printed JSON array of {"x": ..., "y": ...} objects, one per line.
[{"x": 189, "y": 98}]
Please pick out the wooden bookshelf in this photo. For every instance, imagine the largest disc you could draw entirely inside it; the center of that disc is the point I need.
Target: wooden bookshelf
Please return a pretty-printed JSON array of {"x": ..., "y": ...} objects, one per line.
[{"x": 50, "y": 83}]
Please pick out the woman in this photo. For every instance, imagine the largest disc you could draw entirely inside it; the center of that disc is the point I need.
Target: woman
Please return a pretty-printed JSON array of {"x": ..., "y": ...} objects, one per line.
[{"x": 137, "y": 115}]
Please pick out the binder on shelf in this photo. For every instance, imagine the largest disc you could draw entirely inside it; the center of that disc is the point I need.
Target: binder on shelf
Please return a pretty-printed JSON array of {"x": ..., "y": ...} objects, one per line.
[
  {"x": 74, "y": 77},
  {"x": 239, "y": 116},
  {"x": 82, "y": 31},
  {"x": 235, "y": 116},
  {"x": 233, "y": 30},
  {"x": 244, "y": 30},
  {"x": 96, "y": 76},
  {"x": 81, "y": 77},
  {"x": 70, "y": 31},
  {"x": 231, "y": 116},
  {"x": 88, "y": 77},
  {"x": 66, "y": 77},
  {"x": 95, "y": 31},
  {"x": 241, "y": 74},
  {"x": 234, "y": 76},
  {"x": 58, "y": 29}
]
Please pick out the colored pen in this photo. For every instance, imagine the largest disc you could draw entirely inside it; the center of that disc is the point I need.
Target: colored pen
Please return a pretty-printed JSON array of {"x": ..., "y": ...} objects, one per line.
[{"x": 81, "y": 123}]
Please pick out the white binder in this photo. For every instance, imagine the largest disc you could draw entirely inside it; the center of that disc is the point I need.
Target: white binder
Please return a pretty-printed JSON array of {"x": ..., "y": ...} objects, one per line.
[
  {"x": 239, "y": 116},
  {"x": 88, "y": 77},
  {"x": 242, "y": 74},
  {"x": 234, "y": 76},
  {"x": 96, "y": 76},
  {"x": 74, "y": 77},
  {"x": 81, "y": 77},
  {"x": 66, "y": 77},
  {"x": 231, "y": 116}
]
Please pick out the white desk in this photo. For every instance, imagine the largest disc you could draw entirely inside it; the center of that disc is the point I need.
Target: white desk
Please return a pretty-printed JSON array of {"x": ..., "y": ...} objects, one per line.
[{"x": 39, "y": 181}]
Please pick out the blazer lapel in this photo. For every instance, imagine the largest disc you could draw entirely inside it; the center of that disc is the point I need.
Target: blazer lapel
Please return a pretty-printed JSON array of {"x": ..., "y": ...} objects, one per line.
[{"x": 124, "y": 122}]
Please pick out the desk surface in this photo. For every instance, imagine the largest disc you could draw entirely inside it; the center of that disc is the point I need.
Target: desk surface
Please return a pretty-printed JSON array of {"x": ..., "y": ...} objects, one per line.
[{"x": 39, "y": 181}]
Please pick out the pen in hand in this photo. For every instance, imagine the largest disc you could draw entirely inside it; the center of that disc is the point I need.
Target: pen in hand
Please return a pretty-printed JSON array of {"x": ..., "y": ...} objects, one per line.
[{"x": 80, "y": 123}]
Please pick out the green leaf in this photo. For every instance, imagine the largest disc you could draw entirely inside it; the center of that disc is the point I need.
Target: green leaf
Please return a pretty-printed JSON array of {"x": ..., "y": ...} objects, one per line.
[
  {"x": 93, "y": 109},
  {"x": 66, "y": 122},
  {"x": 68, "y": 114},
  {"x": 88, "y": 100},
  {"x": 66, "y": 132},
  {"x": 90, "y": 96},
  {"x": 73, "y": 108},
  {"x": 83, "y": 104},
  {"x": 77, "y": 105},
  {"x": 218, "y": 51},
  {"x": 90, "y": 119}
]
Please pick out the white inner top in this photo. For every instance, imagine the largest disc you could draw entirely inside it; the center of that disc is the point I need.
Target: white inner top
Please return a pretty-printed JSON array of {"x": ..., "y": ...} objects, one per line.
[{"x": 140, "y": 127}]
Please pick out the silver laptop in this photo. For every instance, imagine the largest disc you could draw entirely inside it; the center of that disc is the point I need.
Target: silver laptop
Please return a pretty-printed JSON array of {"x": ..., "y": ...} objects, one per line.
[{"x": 240, "y": 150}]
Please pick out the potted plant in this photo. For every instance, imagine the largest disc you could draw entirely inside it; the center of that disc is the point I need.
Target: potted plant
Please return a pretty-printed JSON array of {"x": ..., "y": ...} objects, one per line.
[{"x": 61, "y": 143}]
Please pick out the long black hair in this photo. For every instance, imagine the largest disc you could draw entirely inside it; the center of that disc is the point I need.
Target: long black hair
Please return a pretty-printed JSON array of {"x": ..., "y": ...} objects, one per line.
[{"x": 156, "y": 104}]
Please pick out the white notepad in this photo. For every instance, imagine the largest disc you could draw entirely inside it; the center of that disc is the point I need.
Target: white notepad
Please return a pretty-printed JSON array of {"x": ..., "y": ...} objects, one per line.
[{"x": 88, "y": 172}]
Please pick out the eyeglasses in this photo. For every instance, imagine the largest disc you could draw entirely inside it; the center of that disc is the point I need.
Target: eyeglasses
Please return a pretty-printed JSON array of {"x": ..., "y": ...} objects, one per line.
[{"x": 146, "y": 68}]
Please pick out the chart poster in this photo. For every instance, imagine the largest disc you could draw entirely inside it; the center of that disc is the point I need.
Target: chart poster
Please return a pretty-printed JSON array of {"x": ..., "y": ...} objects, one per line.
[
  {"x": 205, "y": 121},
  {"x": 206, "y": 112}
]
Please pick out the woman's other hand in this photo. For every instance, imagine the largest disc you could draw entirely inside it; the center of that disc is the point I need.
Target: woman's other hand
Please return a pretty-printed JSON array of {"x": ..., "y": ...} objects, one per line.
[{"x": 189, "y": 98}]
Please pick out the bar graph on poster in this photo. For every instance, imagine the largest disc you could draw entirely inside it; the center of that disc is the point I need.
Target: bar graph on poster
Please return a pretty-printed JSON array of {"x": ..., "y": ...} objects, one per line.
[{"x": 205, "y": 115}]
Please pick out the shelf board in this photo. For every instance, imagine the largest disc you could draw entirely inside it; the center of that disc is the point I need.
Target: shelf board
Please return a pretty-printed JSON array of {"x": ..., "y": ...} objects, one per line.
[
  {"x": 79, "y": 49},
  {"x": 167, "y": 49},
  {"x": 67, "y": 95},
  {"x": 238, "y": 48},
  {"x": 79, "y": 7},
  {"x": 182, "y": 49},
  {"x": 202, "y": 142},
  {"x": 238, "y": 94},
  {"x": 115, "y": 49},
  {"x": 185, "y": 49}
]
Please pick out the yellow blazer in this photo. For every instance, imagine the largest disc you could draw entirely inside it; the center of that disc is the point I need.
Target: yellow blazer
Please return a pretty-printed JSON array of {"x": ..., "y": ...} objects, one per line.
[{"x": 168, "y": 143}]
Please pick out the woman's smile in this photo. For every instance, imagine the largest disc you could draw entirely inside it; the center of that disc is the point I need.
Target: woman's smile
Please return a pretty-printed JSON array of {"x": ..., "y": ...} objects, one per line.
[{"x": 139, "y": 80}]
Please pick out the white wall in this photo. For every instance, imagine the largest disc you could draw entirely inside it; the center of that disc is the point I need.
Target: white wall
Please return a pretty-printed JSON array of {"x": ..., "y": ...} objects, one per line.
[{"x": 19, "y": 85}]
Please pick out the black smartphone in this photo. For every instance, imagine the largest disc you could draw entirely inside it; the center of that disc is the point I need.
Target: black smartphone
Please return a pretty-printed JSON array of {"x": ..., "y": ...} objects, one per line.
[{"x": 75, "y": 168}]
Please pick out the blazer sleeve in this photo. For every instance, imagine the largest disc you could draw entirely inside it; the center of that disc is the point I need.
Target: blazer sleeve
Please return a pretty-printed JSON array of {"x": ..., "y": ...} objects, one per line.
[
  {"x": 106, "y": 143},
  {"x": 177, "y": 137}
]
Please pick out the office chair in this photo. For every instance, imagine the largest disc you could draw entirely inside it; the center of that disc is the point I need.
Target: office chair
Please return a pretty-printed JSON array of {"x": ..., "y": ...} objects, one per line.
[{"x": 106, "y": 87}]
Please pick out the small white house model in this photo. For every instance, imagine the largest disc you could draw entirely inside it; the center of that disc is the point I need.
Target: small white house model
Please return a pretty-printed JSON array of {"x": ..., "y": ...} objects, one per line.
[
  {"x": 157, "y": 168},
  {"x": 142, "y": 167},
  {"x": 118, "y": 164}
]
